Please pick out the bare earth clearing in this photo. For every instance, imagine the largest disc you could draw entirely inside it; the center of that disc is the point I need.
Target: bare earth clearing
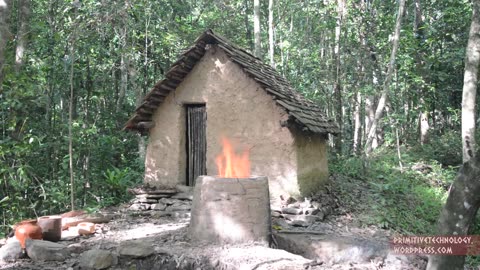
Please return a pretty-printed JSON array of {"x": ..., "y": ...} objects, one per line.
[{"x": 158, "y": 240}]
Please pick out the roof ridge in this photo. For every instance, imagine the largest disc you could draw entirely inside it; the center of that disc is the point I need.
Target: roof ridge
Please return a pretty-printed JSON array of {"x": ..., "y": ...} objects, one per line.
[{"x": 305, "y": 111}]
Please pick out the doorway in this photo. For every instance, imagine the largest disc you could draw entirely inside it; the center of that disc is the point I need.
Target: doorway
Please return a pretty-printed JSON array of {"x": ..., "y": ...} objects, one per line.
[{"x": 196, "y": 142}]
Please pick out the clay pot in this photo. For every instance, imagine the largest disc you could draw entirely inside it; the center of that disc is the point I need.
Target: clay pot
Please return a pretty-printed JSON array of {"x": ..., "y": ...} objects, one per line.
[
  {"x": 28, "y": 231},
  {"x": 51, "y": 227}
]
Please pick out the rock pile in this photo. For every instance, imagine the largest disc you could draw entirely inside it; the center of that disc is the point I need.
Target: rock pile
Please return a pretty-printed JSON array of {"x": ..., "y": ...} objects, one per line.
[
  {"x": 304, "y": 214},
  {"x": 166, "y": 201}
]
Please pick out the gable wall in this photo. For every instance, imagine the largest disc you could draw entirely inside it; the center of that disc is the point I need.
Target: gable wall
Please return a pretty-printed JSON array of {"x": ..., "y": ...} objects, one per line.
[{"x": 238, "y": 108}]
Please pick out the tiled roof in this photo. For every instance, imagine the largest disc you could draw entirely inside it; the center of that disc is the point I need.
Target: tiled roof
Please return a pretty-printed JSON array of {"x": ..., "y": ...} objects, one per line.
[{"x": 305, "y": 112}]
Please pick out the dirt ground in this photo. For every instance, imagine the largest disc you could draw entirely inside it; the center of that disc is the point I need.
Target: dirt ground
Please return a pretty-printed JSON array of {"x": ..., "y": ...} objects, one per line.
[{"x": 366, "y": 248}]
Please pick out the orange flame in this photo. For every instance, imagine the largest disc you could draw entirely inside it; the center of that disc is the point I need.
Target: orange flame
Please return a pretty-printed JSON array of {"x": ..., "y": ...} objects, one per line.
[{"x": 231, "y": 165}]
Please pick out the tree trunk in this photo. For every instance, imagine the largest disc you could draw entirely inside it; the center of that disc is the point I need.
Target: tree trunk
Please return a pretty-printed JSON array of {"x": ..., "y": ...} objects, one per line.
[
  {"x": 124, "y": 61},
  {"x": 123, "y": 82},
  {"x": 271, "y": 51},
  {"x": 458, "y": 214},
  {"x": 248, "y": 30},
  {"x": 256, "y": 28},
  {"x": 87, "y": 152},
  {"x": 369, "y": 116},
  {"x": 337, "y": 88},
  {"x": 423, "y": 126},
  {"x": 132, "y": 72},
  {"x": 23, "y": 16},
  {"x": 386, "y": 85},
  {"x": 4, "y": 35},
  {"x": 357, "y": 134},
  {"x": 470, "y": 85},
  {"x": 70, "y": 117}
]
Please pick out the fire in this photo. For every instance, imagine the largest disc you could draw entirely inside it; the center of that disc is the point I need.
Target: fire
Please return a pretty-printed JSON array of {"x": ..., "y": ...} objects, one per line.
[{"x": 231, "y": 165}]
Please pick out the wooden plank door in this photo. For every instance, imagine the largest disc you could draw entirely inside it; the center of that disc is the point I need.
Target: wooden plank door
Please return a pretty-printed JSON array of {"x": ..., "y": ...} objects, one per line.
[{"x": 196, "y": 142}]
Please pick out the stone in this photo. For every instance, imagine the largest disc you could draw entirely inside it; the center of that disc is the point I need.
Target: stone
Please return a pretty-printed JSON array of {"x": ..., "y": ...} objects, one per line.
[
  {"x": 135, "y": 249},
  {"x": 292, "y": 211},
  {"x": 316, "y": 205},
  {"x": 311, "y": 211},
  {"x": 181, "y": 214},
  {"x": 183, "y": 196},
  {"x": 137, "y": 207},
  {"x": 158, "y": 206},
  {"x": 153, "y": 196},
  {"x": 145, "y": 200},
  {"x": 327, "y": 210},
  {"x": 150, "y": 190},
  {"x": 293, "y": 205},
  {"x": 320, "y": 216},
  {"x": 11, "y": 251},
  {"x": 159, "y": 214},
  {"x": 291, "y": 200},
  {"x": 308, "y": 219},
  {"x": 306, "y": 204},
  {"x": 167, "y": 201},
  {"x": 174, "y": 208},
  {"x": 323, "y": 227},
  {"x": 300, "y": 223},
  {"x": 275, "y": 214},
  {"x": 97, "y": 259},
  {"x": 332, "y": 248},
  {"x": 184, "y": 189},
  {"x": 39, "y": 250},
  {"x": 276, "y": 208},
  {"x": 75, "y": 248},
  {"x": 280, "y": 223},
  {"x": 179, "y": 202}
]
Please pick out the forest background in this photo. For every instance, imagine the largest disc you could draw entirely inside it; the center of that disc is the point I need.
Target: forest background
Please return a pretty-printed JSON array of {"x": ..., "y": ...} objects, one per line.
[{"x": 71, "y": 73}]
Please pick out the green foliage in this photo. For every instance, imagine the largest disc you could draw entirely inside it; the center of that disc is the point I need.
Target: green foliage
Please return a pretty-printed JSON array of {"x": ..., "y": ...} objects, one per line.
[
  {"x": 349, "y": 166},
  {"x": 445, "y": 148},
  {"x": 34, "y": 157},
  {"x": 407, "y": 201},
  {"x": 115, "y": 185}
]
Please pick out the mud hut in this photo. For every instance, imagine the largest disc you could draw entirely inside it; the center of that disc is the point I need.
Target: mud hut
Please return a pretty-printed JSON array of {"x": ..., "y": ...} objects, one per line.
[{"x": 217, "y": 90}]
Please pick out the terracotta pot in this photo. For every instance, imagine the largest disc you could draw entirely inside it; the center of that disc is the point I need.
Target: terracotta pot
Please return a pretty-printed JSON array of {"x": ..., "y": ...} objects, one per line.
[
  {"x": 51, "y": 227},
  {"x": 26, "y": 231}
]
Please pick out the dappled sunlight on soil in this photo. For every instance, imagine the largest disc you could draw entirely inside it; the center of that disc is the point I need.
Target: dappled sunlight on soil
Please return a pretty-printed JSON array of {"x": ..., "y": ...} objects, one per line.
[{"x": 148, "y": 230}]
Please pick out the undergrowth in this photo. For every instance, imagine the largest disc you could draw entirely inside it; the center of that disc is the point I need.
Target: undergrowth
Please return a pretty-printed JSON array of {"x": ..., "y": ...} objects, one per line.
[
  {"x": 397, "y": 198},
  {"x": 406, "y": 198}
]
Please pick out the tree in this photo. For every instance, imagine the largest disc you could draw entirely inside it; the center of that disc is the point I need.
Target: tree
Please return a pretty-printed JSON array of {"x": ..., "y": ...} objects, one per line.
[
  {"x": 71, "y": 109},
  {"x": 423, "y": 125},
  {"x": 256, "y": 28},
  {"x": 470, "y": 81},
  {"x": 24, "y": 14},
  {"x": 271, "y": 44},
  {"x": 124, "y": 56},
  {"x": 458, "y": 214},
  {"x": 386, "y": 85},
  {"x": 337, "y": 88},
  {"x": 4, "y": 35}
]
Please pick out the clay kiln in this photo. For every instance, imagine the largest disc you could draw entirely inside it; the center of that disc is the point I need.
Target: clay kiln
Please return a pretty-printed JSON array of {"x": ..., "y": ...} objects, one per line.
[{"x": 230, "y": 210}]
